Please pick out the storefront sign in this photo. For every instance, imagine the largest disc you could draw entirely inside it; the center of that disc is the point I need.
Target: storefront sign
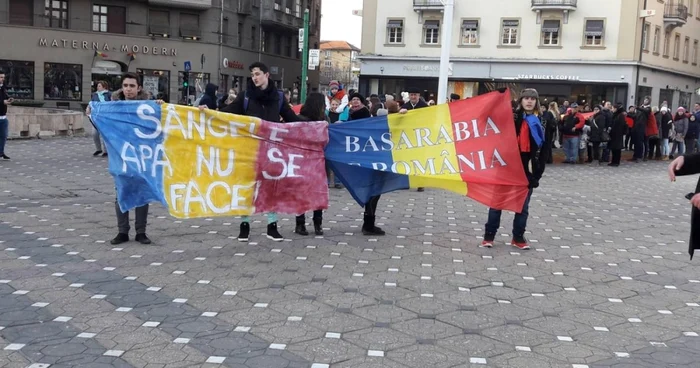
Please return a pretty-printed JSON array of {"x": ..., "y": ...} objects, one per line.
[
  {"x": 548, "y": 77},
  {"x": 104, "y": 46},
  {"x": 427, "y": 68},
  {"x": 233, "y": 64}
]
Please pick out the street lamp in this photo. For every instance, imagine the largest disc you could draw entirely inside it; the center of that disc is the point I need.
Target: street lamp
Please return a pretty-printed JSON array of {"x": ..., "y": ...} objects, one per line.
[{"x": 445, "y": 49}]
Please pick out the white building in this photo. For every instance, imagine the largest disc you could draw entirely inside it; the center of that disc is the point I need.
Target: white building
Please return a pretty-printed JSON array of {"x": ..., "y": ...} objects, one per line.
[{"x": 576, "y": 50}]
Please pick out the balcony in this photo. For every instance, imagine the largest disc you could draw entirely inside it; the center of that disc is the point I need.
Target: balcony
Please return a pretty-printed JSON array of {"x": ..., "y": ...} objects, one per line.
[
  {"x": 279, "y": 19},
  {"x": 422, "y": 5},
  {"x": 183, "y": 4},
  {"x": 675, "y": 15},
  {"x": 563, "y": 5},
  {"x": 245, "y": 7}
]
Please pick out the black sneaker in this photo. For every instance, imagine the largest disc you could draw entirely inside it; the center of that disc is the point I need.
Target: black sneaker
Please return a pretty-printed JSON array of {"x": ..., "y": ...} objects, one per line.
[
  {"x": 245, "y": 232},
  {"x": 5, "y": 157},
  {"x": 119, "y": 239},
  {"x": 97, "y": 153},
  {"x": 273, "y": 234},
  {"x": 421, "y": 189},
  {"x": 143, "y": 239},
  {"x": 488, "y": 241},
  {"x": 104, "y": 154}
]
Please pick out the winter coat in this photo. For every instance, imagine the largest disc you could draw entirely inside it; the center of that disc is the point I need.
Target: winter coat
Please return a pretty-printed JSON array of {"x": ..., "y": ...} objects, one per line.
[
  {"x": 533, "y": 161},
  {"x": 608, "y": 118},
  {"x": 361, "y": 113},
  {"x": 118, "y": 95},
  {"x": 340, "y": 96},
  {"x": 681, "y": 125},
  {"x": 665, "y": 121},
  {"x": 409, "y": 106},
  {"x": 209, "y": 97},
  {"x": 263, "y": 104},
  {"x": 617, "y": 131},
  {"x": 652, "y": 129},
  {"x": 691, "y": 166},
  {"x": 597, "y": 125},
  {"x": 106, "y": 95},
  {"x": 693, "y": 129},
  {"x": 641, "y": 119}
]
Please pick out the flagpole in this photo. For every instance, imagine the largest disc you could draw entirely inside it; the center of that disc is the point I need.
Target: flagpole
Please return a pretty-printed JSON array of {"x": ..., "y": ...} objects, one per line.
[{"x": 445, "y": 50}]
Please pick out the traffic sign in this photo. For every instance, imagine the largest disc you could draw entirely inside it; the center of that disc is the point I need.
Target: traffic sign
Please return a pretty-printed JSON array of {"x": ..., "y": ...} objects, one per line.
[
  {"x": 647, "y": 13},
  {"x": 314, "y": 57},
  {"x": 301, "y": 38},
  {"x": 188, "y": 66}
]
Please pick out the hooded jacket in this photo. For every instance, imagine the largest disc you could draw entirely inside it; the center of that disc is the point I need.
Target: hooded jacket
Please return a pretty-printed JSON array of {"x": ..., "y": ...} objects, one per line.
[
  {"x": 118, "y": 95},
  {"x": 263, "y": 104},
  {"x": 341, "y": 96},
  {"x": 209, "y": 97}
]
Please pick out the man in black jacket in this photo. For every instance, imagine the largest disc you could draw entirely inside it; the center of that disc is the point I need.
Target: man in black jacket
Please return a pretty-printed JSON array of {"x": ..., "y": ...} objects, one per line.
[
  {"x": 261, "y": 100},
  {"x": 689, "y": 165},
  {"x": 608, "y": 113},
  {"x": 414, "y": 102},
  {"x": 639, "y": 129},
  {"x": 5, "y": 101},
  {"x": 209, "y": 97}
]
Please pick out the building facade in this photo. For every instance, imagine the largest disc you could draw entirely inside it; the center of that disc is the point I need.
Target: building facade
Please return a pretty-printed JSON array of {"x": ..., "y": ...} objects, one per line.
[
  {"x": 339, "y": 62},
  {"x": 585, "y": 51},
  {"x": 56, "y": 50}
]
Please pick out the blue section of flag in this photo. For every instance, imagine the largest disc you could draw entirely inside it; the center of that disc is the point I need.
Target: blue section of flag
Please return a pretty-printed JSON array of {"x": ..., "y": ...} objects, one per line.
[
  {"x": 352, "y": 156},
  {"x": 136, "y": 179}
]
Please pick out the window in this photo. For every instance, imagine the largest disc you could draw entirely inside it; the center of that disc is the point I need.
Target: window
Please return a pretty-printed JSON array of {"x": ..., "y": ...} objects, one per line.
[
  {"x": 157, "y": 82},
  {"x": 509, "y": 30},
  {"x": 695, "y": 52},
  {"x": 686, "y": 49},
  {"x": 327, "y": 53},
  {"x": 278, "y": 43},
  {"x": 278, "y": 4},
  {"x": 19, "y": 78},
  {"x": 394, "y": 31},
  {"x": 189, "y": 26},
  {"x": 676, "y": 46},
  {"x": 240, "y": 34},
  {"x": 296, "y": 43},
  {"x": 110, "y": 19},
  {"x": 159, "y": 23},
  {"x": 263, "y": 40},
  {"x": 595, "y": 28},
  {"x": 297, "y": 8},
  {"x": 667, "y": 43},
  {"x": 431, "y": 32},
  {"x": 645, "y": 36},
  {"x": 253, "y": 35},
  {"x": 470, "y": 32},
  {"x": 56, "y": 13},
  {"x": 288, "y": 47},
  {"x": 691, "y": 5},
  {"x": 21, "y": 12},
  {"x": 657, "y": 39},
  {"x": 353, "y": 55},
  {"x": 63, "y": 81},
  {"x": 550, "y": 32},
  {"x": 224, "y": 31},
  {"x": 328, "y": 63}
]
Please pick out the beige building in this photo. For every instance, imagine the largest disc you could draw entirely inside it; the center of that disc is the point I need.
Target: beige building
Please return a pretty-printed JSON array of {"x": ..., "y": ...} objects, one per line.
[
  {"x": 55, "y": 50},
  {"x": 339, "y": 62},
  {"x": 577, "y": 50}
]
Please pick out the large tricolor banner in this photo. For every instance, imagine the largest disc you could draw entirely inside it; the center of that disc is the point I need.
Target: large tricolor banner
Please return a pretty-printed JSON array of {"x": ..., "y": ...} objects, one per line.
[
  {"x": 468, "y": 147},
  {"x": 202, "y": 164}
]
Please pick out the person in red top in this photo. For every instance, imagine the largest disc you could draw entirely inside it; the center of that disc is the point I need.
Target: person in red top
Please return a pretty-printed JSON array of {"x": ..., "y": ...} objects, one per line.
[
  {"x": 531, "y": 139},
  {"x": 572, "y": 127}
]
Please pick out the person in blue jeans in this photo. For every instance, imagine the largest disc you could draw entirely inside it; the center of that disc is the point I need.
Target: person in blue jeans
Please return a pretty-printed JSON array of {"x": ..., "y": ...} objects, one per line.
[
  {"x": 572, "y": 125},
  {"x": 531, "y": 138},
  {"x": 4, "y": 124}
]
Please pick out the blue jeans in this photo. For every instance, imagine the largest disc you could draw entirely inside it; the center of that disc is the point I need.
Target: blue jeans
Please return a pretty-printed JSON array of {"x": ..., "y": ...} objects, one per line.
[
  {"x": 571, "y": 148},
  {"x": 4, "y": 131},
  {"x": 665, "y": 148},
  {"x": 519, "y": 222}
]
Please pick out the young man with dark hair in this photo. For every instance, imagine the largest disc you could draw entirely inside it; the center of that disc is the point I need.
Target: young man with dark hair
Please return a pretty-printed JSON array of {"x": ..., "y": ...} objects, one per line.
[
  {"x": 531, "y": 139},
  {"x": 5, "y": 101},
  {"x": 132, "y": 89},
  {"x": 261, "y": 100},
  {"x": 414, "y": 102}
]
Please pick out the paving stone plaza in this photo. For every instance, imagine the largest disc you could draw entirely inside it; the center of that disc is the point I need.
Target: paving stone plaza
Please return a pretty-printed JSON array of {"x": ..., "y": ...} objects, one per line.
[{"x": 608, "y": 282}]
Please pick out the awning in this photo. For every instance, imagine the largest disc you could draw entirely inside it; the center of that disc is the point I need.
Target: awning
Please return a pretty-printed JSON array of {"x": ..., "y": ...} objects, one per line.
[
  {"x": 594, "y": 28},
  {"x": 106, "y": 67},
  {"x": 431, "y": 24},
  {"x": 511, "y": 23},
  {"x": 395, "y": 24},
  {"x": 550, "y": 26},
  {"x": 470, "y": 24}
]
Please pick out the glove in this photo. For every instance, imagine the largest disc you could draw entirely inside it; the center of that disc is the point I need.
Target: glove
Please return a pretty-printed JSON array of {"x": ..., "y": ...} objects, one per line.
[{"x": 534, "y": 183}]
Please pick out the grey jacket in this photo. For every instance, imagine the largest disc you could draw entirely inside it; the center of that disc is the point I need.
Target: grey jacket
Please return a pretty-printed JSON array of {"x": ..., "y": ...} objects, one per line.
[{"x": 681, "y": 126}]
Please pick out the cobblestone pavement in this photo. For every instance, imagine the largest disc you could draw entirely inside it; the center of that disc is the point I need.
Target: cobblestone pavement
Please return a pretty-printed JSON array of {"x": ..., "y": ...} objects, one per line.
[{"x": 608, "y": 282}]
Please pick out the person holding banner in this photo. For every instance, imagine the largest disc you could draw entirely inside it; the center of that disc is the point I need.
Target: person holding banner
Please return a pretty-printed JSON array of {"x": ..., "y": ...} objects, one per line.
[
  {"x": 262, "y": 100},
  {"x": 531, "y": 137}
]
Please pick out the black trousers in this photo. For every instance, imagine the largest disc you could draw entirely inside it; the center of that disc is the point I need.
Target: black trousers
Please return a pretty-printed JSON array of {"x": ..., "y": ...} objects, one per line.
[
  {"x": 371, "y": 206},
  {"x": 616, "y": 156},
  {"x": 596, "y": 152}
]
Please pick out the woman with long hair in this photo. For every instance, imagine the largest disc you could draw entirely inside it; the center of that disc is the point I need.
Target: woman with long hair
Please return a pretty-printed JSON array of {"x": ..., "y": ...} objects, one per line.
[
  {"x": 556, "y": 112},
  {"x": 617, "y": 134},
  {"x": 314, "y": 109}
]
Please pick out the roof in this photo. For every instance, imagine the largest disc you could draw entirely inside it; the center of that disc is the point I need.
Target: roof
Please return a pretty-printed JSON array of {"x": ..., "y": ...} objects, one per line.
[{"x": 338, "y": 45}]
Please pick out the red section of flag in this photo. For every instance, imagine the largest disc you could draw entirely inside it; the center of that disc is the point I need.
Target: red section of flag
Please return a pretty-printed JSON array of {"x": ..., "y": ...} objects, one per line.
[
  {"x": 491, "y": 182},
  {"x": 290, "y": 167}
]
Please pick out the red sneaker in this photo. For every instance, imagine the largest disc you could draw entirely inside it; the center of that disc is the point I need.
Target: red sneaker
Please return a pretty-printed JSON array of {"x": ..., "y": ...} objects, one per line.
[
  {"x": 488, "y": 241},
  {"x": 520, "y": 242}
]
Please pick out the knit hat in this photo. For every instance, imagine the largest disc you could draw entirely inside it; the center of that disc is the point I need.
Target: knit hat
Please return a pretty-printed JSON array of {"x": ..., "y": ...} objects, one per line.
[
  {"x": 362, "y": 98},
  {"x": 413, "y": 90},
  {"x": 529, "y": 92},
  {"x": 574, "y": 105},
  {"x": 681, "y": 109},
  {"x": 334, "y": 84},
  {"x": 455, "y": 96},
  {"x": 664, "y": 108}
]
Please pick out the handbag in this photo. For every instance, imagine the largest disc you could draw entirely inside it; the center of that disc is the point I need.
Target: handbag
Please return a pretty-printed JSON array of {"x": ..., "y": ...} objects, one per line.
[{"x": 604, "y": 136}]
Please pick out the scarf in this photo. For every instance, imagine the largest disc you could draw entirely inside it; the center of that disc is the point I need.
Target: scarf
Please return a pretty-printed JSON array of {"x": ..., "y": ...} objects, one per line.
[
  {"x": 353, "y": 109},
  {"x": 102, "y": 96},
  {"x": 536, "y": 129}
]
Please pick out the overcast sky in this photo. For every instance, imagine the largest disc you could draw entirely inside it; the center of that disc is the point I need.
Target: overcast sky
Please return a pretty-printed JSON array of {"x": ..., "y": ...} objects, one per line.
[{"x": 338, "y": 23}]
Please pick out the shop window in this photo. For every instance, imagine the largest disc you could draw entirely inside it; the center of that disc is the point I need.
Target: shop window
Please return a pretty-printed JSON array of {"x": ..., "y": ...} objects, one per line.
[
  {"x": 198, "y": 83},
  {"x": 470, "y": 32},
  {"x": 550, "y": 32},
  {"x": 684, "y": 99},
  {"x": 189, "y": 26},
  {"x": 63, "y": 81},
  {"x": 676, "y": 46},
  {"x": 394, "y": 31},
  {"x": 157, "y": 83},
  {"x": 509, "y": 32},
  {"x": 56, "y": 13},
  {"x": 21, "y": 12},
  {"x": 657, "y": 39},
  {"x": 431, "y": 32},
  {"x": 594, "y": 32},
  {"x": 158, "y": 23},
  {"x": 667, "y": 43},
  {"x": 19, "y": 78},
  {"x": 110, "y": 19}
]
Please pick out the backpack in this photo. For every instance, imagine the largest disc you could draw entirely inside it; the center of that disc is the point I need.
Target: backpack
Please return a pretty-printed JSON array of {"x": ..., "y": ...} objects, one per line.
[{"x": 246, "y": 100}]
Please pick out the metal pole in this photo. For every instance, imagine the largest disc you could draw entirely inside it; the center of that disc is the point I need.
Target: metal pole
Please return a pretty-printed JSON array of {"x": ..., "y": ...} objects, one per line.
[
  {"x": 305, "y": 57},
  {"x": 445, "y": 50},
  {"x": 641, "y": 54},
  {"x": 221, "y": 42}
]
